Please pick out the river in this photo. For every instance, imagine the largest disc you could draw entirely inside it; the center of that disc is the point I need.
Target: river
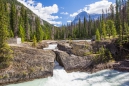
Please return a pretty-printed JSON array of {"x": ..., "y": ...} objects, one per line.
[{"x": 62, "y": 78}]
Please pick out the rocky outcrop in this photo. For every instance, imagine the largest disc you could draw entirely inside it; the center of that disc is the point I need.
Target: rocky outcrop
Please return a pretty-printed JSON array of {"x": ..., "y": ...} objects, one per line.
[
  {"x": 76, "y": 48},
  {"x": 72, "y": 62},
  {"x": 28, "y": 64},
  {"x": 81, "y": 48}
]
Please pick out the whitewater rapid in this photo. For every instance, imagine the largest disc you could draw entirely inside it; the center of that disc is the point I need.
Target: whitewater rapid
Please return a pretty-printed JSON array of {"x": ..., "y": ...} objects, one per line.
[{"x": 62, "y": 78}]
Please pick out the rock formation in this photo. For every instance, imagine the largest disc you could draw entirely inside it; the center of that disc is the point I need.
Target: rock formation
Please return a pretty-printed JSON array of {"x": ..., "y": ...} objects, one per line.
[{"x": 28, "y": 64}]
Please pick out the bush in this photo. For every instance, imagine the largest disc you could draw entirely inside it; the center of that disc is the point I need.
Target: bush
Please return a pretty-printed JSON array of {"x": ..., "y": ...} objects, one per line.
[
  {"x": 6, "y": 56},
  {"x": 103, "y": 56}
]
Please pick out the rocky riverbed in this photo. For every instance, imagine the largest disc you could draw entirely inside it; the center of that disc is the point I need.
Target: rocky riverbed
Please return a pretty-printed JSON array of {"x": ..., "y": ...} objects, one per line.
[{"x": 31, "y": 63}]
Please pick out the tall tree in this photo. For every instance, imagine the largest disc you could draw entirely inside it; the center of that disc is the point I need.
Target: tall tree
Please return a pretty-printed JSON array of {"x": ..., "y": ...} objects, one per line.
[
  {"x": 21, "y": 33},
  {"x": 103, "y": 29},
  {"x": 117, "y": 18},
  {"x": 5, "y": 51},
  {"x": 97, "y": 35},
  {"x": 27, "y": 28},
  {"x": 13, "y": 19},
  {"x": 39, "y": 31},
  {"x": 79, "y": 26}
]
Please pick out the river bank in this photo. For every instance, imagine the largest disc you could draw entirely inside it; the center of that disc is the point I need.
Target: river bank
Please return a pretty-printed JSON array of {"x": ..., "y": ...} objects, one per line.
[{"x": 37, "y": 63}]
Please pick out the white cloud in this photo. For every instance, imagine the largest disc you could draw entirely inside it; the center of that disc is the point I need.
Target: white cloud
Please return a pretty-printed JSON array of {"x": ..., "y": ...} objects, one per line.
[
  {"x": 98, "y": 6},
  {"x": 64, "y": 13},
  {"x": 69, "y": 21},
  {"x": 43, "y": 12},
  {"x": 62, "y": 7},
  {"x": 94, "y": 7}
]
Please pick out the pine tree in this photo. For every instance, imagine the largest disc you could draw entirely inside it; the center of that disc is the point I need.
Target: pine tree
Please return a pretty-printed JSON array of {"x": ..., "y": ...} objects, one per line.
[
  {"x": 34, "y": 41},
  {"x": 27, "y": 29},
  {"x": 111, "y": 30},
  {"x": 103, "y": 29},
  {"x": 13, "y": 19},
  {"x": 79, "y": 26},
  {"x": 127, "y": 10},
  {"x": 112, "y": 11},
  {"x": 85, "y": 30},
  {"x": 39, "y": 31},
  {"x": 117, "y": 18},
  {"x": 5, "y": 51},
  {"x": 97, "y": 35},
  {"x": 21, "y": 33},
  {"x": 114, "y": 33}
]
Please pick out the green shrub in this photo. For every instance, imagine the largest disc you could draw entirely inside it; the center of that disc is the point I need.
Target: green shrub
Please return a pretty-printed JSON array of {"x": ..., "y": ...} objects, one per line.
[{"x": 103, "y": 56}]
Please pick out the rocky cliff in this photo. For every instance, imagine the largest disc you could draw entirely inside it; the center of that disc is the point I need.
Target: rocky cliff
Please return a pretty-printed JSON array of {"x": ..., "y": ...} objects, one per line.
[{"x": 28, "y": 64}]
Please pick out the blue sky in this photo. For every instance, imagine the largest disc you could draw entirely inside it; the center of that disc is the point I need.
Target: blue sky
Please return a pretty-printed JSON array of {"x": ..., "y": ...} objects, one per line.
[{"x": 60, "y": 12}]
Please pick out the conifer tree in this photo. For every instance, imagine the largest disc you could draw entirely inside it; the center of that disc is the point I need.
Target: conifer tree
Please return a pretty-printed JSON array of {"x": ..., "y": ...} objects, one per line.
[
  {"x": 27, "y": 29},
  {"x": 117, "y": 17},
  {"x": 5, "y": 51},
  {"x": 114, "y": 32},
  {"x": 127, "y": 11},
  {"x": 13, "y": 19},
  {"x": 97, "y": 35},
  {"x": 34, "y": 41},
  {"x": 103, "y": 29},
  {"x": 79, "y": 26},
  {"x": 39, "y": 31},
  {"x": 21, "y": 33}
]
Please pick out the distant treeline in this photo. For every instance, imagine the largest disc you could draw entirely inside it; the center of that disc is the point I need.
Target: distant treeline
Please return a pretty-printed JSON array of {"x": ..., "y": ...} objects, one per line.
[{"x": 114, "y": 22}]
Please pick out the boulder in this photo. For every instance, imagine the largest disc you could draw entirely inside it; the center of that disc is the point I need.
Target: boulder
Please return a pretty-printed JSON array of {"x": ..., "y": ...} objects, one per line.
[
  {"x": 28, "y": 64},
  {"x": 76, "y": 48},
  {"x": 72, "y": 62},
  {"x": 64, "y": 47}
]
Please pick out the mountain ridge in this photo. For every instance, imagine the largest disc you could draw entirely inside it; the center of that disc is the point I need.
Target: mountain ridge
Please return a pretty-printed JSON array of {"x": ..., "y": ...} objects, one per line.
[{"x": 83, "y": 14}]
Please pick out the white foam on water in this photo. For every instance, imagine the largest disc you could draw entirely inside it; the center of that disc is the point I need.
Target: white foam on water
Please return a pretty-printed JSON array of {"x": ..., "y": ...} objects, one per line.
[{"x": 62, "y": 78}]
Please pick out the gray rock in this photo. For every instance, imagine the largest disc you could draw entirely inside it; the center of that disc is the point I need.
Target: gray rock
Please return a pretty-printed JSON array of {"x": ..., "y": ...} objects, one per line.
[
  {"x": 76, "y": 48},
  {"x": 28, "y": 64},
  {"x": 72, "y": 62}
]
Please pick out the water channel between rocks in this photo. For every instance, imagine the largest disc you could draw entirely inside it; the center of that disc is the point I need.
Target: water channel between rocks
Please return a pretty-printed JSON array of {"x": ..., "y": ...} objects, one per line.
[{"x": 62, "y": 78}]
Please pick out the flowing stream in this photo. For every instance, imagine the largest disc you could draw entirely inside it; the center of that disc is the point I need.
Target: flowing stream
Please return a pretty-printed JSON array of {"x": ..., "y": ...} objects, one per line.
[{"x": 62, "y": 78}]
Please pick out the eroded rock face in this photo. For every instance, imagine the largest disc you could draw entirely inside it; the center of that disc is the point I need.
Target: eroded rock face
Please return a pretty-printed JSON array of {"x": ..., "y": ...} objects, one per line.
[
  {"x": 28, "y": 64},
  {"x": 72, "y": 62},
  {"x": 76, "y": 48}
]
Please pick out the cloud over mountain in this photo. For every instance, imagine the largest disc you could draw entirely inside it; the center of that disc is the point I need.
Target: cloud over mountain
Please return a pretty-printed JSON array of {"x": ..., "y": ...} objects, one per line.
[
  {"x": 94, "y": 7},
  {"x": 42, "y": 11}
]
